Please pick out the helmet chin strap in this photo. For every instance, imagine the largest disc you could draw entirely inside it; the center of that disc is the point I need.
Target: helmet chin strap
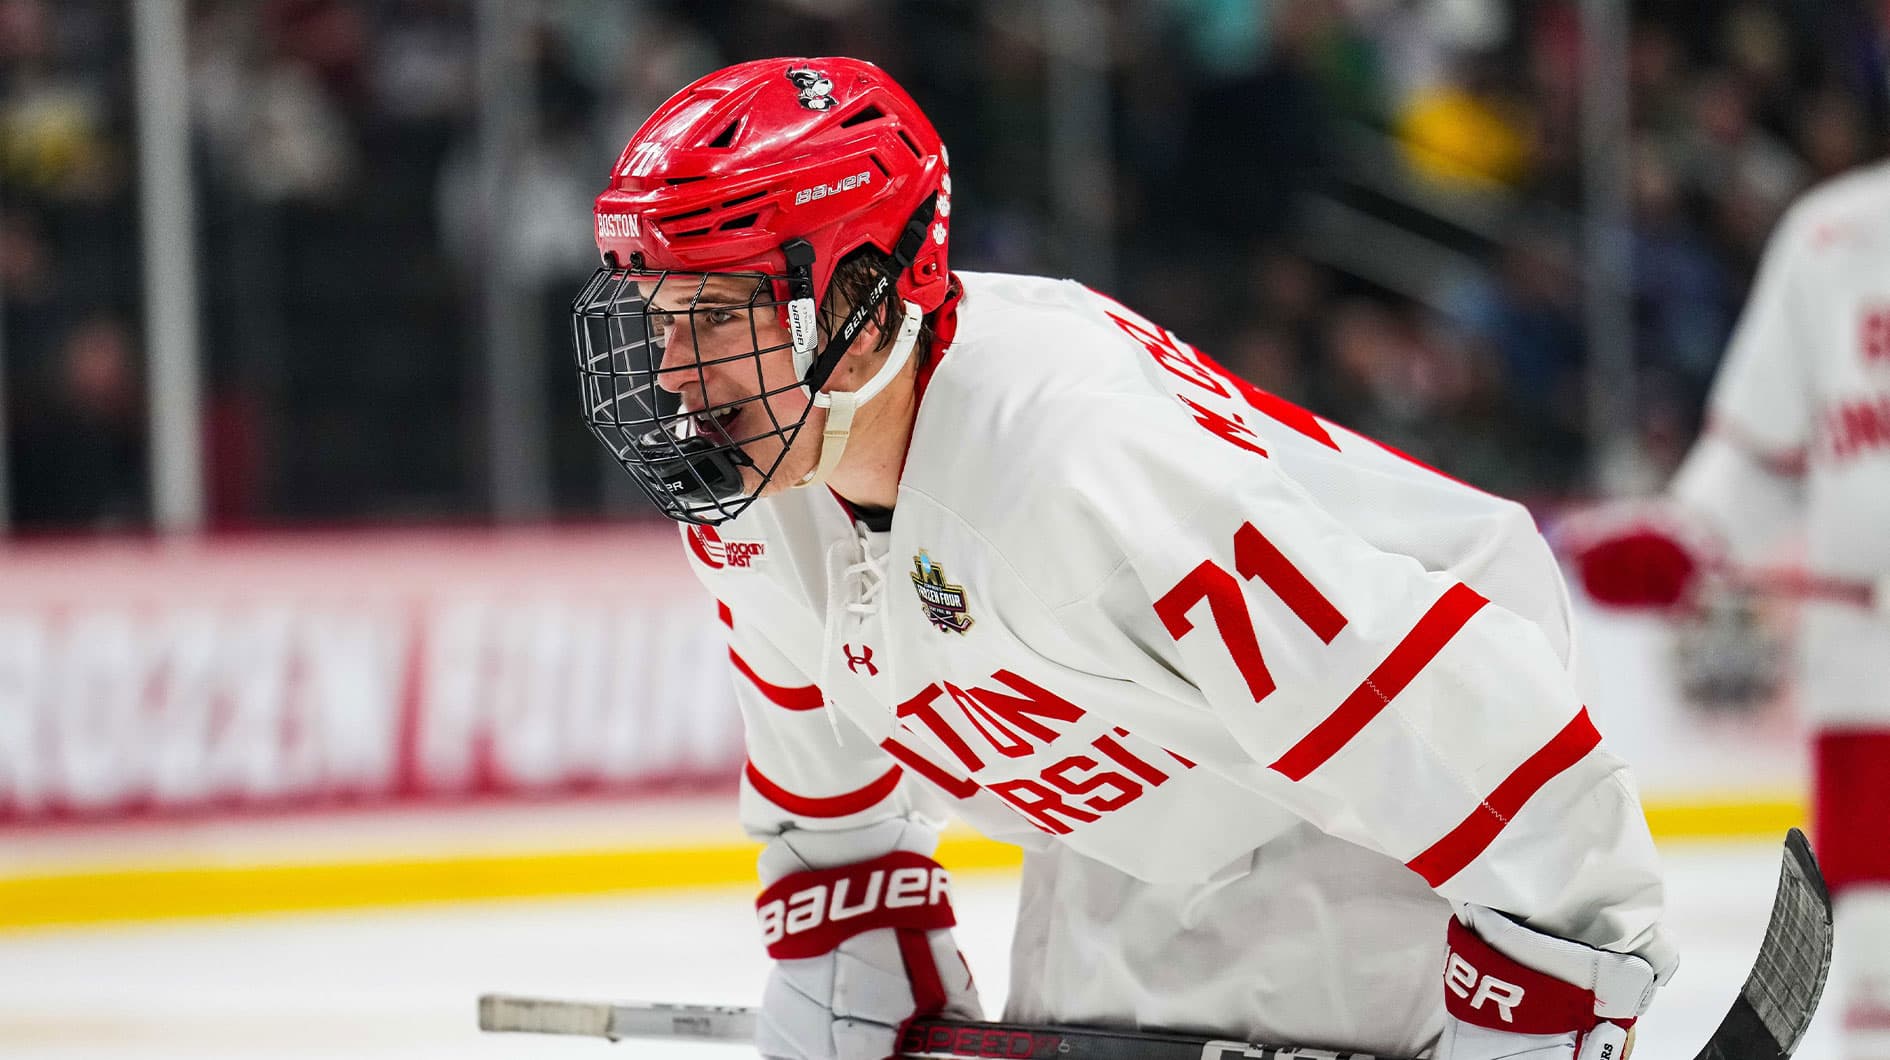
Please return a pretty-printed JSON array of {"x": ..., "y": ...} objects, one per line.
[{"x": 842, "y": 406}]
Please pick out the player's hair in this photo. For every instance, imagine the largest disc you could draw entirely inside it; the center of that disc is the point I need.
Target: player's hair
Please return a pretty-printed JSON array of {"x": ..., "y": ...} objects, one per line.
[{"x": 852, "y": 279}]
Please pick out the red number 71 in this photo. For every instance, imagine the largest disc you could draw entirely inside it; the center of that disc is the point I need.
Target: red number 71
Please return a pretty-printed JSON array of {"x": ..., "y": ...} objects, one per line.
[{"x": 1254, "y": 557}]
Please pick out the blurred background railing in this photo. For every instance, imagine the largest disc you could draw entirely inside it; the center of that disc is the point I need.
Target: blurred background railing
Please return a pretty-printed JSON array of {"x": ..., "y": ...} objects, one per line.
[
  {"x": 297, "y": 517},
  {"x": 343, "y": 283}
]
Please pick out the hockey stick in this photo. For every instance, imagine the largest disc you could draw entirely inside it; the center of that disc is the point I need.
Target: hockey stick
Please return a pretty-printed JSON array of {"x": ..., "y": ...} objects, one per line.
[
  {"x": 1792, "y": 584},
  {"x": 1766, "y": 1022},
  {"x": 924, "y": 1039},
  {"x": 1769, "y": 1017}
]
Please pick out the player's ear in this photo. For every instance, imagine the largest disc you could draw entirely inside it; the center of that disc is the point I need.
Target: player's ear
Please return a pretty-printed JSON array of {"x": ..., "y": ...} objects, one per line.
[
  {"x": 874, "y": 336},
  {"x": 874, "y": 340}
]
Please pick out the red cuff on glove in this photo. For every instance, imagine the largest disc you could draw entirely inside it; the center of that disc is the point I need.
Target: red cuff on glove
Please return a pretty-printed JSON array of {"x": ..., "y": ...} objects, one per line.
[
  {"x": 1487, "y": 989},
  {"x": 811, "y": 913}
]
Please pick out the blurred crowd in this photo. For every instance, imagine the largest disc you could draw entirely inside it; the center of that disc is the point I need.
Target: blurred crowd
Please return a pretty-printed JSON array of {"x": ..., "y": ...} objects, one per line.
[{"x": 1369, "y": 206}]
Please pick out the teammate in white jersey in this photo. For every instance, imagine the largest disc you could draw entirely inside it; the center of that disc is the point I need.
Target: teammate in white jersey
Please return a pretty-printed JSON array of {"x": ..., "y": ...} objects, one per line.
[
  {"x": 1283, "y": 720},
  {"x": 1798, "y": 441}
]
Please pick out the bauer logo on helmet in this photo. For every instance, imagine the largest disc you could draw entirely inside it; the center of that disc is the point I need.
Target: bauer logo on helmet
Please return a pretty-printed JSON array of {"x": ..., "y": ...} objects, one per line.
[{"x": 821, "y": 191}]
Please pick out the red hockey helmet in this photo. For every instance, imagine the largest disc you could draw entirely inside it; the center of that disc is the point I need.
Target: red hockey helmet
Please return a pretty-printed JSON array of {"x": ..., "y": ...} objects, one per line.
[
  {"x": 735, "y": 166},
  {"x": 773, "y": 172}
]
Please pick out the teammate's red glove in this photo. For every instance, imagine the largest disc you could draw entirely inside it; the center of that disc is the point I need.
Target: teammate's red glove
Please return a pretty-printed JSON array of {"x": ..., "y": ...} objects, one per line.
[
  {"x": 1637, "y": 555},
  {"x": 859, "y": 924},
  {"x": 1511, "y": 993}
]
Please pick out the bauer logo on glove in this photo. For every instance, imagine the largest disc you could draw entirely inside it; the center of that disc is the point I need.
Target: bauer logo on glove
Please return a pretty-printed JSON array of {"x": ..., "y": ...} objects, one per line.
[{"x": 808, "y": 913}]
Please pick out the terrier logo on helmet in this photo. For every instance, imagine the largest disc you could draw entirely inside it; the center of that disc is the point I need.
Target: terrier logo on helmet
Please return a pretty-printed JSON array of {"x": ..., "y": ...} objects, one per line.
[{"x": 816, "y": 89}]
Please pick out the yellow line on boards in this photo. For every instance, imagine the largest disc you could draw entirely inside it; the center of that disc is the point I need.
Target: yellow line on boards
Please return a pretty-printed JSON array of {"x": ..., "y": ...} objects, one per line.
[
  {"x": 151, "y": 893},
  {"x": 135, "y": 893},
  {"x": 163, "y": 892},
  {"x": 1752, "y": 818}
]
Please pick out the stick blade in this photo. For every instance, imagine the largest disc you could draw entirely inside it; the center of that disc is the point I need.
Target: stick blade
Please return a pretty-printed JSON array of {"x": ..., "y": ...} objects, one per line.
[
  {"x": 1774, "y": 1008},
  {"x": 525, "y": 1015},
  {"x": 597, "y": 1019}
]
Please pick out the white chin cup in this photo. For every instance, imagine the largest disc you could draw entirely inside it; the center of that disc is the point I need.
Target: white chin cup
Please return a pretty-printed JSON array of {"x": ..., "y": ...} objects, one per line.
[{"x": 841, "y": 406}]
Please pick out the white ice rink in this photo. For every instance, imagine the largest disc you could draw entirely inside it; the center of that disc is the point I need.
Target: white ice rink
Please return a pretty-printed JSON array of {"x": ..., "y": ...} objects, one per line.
[{"x": 400, "y": 984}]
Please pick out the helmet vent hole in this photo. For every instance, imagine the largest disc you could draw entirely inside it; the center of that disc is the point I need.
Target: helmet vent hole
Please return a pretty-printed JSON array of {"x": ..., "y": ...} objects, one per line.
[
  {"x": 914, "y": 148},
  {"x": 727, "y": 137},
  {"x": 887, "y": 173},
  {"x": 744, "y": 221},
  {"x": 862, "y": 116},
  {"x": 681, "y": 180},
  {"x": 673, "y": 218},
  {"x": 745, "y": 198}
]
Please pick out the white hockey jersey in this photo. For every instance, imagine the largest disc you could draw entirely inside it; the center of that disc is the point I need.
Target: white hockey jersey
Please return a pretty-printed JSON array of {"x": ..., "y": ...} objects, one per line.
[
  {"x": 1799, "y": 429},
  {"x": 1259, "y": 697}
]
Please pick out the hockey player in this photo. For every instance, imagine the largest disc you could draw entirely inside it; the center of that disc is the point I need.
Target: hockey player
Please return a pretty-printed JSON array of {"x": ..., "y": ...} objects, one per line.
[
  {"x": 1282, "y": 719},
  {"x": 1798, "y": 439}
]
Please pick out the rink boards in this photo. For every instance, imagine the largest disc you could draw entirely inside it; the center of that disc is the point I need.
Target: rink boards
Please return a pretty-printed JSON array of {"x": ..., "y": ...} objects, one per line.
[{"x": 356, "y": 719}]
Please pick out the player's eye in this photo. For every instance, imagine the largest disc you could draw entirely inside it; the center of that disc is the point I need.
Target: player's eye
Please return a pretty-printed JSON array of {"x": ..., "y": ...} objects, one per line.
[{"x": 720, "y": 316}]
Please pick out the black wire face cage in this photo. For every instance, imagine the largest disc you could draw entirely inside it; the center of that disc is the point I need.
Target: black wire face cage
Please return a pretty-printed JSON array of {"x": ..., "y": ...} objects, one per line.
[{"x": 690, "y": 461}]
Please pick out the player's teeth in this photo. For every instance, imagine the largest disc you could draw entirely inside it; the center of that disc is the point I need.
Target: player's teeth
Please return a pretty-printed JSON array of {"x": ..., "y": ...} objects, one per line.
[{"x": 716, "y": 420}]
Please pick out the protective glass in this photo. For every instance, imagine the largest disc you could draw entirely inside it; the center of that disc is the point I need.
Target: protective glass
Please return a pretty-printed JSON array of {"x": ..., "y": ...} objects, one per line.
[{"x": 698, "y": 465}]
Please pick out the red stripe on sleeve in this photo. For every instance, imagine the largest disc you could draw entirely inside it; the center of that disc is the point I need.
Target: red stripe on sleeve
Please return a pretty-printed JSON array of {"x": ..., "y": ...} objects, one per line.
[
  {"x": 722, "y": 612},
  {"x": 828, "y": 806},
  {"x": 1448, "y": 856},
  {"x": 1411, "y": 656},
  {"x": 803, "y": 697}
]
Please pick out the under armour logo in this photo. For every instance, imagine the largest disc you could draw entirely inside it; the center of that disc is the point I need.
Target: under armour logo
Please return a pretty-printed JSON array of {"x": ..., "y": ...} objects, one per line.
[{"x": 865, "y": 658}]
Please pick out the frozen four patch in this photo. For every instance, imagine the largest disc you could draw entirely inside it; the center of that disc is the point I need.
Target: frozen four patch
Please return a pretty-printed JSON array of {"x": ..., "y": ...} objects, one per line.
[{"x": 944, "y": 603}]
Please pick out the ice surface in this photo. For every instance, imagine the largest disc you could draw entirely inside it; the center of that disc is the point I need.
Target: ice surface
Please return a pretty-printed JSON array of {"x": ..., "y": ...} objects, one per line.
[{"x": 401, "y": 984}]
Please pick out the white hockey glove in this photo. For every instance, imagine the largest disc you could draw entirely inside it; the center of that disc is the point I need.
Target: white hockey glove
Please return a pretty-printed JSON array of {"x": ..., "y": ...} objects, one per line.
[
  {"x": 859, "y": 924},
  {"x": 1511, "y": 993}
]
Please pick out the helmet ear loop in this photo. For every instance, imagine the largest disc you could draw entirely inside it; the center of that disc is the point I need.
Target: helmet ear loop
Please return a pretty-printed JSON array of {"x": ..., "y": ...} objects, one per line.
[
  {"x": 842, "y": 406},
  {"x": 799, "y": 255},
  {"x": 801, "y": 317}
]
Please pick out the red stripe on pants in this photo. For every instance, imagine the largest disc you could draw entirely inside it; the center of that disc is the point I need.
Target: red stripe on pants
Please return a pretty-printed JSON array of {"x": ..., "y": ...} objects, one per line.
[{"x": 1851, "y": 821}]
